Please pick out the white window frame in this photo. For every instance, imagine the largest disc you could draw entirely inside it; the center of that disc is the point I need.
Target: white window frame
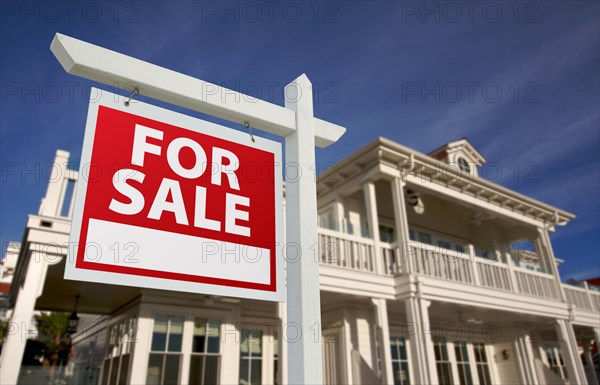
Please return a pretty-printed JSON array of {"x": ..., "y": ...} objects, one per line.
[
  {"x": 557, "y": 353},
  {"x": 269, "y": 327},
  {"x": 189, "y": 315},
  {"x": 124, "y": 344},
  {"x": 400, "y": 331}
]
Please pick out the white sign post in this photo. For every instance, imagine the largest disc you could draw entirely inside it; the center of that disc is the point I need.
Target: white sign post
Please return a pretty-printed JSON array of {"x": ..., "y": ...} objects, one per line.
[{"x": 301, "y": 131}]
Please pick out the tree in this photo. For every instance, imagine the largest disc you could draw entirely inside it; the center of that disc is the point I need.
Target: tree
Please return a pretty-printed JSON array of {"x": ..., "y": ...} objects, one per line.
[
  {"x": 52, "y": 332},
  {"x": 3, "y": 331}
]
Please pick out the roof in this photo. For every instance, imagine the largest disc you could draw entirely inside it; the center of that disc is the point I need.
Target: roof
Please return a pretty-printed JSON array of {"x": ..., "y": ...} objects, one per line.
[
  {"x": 593, "y": 281},
  {"x": 394, "y": 155}
]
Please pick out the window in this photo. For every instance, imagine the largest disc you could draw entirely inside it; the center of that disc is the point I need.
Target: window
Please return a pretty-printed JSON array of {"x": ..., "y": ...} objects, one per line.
[
  {"x": 425, "y": 238},
  {"x": 115, "y": 368},
  {"x": 399, "y": 361},
  {"x": 490, "y": 253},
  {"x": 463, "y": 165},
  {"x": 462, "y": 363},
  {"x": 165, "y": 352},
  {"x": 483, "y": 368},
  {"x": 386, "y": 234},
  {"x": 204, "y": 360},
  {"x": 444, "y": 244},
  {"x": 430, "y": 239},
  {"x": 275, "y": 358},
  {"x": 251, "y": 357},
  {"x": 555, "y": 361},
  {"x": 442, "y": 362}
]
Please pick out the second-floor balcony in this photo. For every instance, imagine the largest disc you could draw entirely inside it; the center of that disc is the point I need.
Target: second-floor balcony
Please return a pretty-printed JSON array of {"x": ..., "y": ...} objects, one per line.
[{"x": 362, "y": 254}]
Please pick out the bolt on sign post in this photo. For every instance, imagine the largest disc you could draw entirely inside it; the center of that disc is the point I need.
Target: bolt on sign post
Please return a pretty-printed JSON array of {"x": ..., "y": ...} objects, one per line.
[{"x": 159, "y": 175}]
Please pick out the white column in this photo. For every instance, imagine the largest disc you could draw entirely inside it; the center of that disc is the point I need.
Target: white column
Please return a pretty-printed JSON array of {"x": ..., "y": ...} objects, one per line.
[
  {"x": 141, "y": 349},
  {"x": 421, "y": 345},
  {"x": 548, "y": 253},
  {"x": 512, "y": 281},
  {"x": 381, "y": 315},
  {"x": 282, "y": 353},
  {"x": 401, "y": 222},
  {"x": 230, "y": 346},
  {"x": 348, "y": 349},
  {"x": 597, "y": 336},
  {"x": 20, "y": 325},
  {"x": 57, "y": 186},
  {"x": 373, "y": 220},
  {"x": 525, "y": 359},
  {"x": 590, "y": 364},
  {"x": 305, "y": 363},
  {"x": 597, "y": 340},
  {"x": 570, "y": 353},
  {"x": 339, "y": 215},
  {"x": 474, "y": 269},
  {"x": 524, "y": 372}
]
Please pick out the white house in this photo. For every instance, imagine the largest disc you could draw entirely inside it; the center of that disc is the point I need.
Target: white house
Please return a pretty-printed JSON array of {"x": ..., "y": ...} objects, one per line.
[
  {"x": 429, "y": 274},
  {"x": 7, "y": 270}
]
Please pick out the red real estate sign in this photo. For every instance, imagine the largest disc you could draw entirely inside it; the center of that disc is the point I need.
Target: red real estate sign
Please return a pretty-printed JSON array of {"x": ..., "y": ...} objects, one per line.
[{"x": 172, "y": 202}]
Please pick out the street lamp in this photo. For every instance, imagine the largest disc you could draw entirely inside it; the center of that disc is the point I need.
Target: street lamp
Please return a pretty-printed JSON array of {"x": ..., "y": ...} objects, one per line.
[{"x": 73, "y": 318}]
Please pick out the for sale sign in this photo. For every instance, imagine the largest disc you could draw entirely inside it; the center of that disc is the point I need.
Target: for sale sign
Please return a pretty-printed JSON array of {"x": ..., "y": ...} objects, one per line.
[{"x": 171, "y": 202}]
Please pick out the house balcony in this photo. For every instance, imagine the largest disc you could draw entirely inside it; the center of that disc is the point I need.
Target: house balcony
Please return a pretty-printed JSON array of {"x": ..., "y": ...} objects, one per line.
[{"x": 383, "y": 262}]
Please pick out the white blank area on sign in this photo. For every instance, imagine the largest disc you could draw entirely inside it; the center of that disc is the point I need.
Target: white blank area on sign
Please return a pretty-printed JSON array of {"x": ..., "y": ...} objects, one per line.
[{"x": 122, "y": 245}]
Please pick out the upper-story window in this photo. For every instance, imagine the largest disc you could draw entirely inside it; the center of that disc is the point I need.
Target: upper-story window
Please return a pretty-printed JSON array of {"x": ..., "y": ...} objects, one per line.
[{"x": 464, "y": 165}]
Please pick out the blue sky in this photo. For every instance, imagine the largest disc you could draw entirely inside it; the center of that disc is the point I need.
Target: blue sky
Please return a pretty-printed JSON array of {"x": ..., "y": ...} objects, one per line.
[{"x": 521, "y": 80}]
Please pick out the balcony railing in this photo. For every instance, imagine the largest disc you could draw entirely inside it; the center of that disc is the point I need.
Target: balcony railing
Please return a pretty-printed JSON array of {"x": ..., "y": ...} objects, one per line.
[
  {"x": 362, "y": 254},
  {"x": 346, "y": 251},
  {"x": 583, "y": 298},
  {"x": 537, "y": 284}
]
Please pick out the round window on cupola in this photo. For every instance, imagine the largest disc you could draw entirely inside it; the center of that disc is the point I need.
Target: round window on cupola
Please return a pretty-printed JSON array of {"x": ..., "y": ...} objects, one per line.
[{"x": 464, "y": 165}]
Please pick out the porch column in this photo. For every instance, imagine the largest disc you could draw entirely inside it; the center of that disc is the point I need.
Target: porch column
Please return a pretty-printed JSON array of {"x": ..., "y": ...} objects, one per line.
[
  {"x": 381, "y": 315},
  {"x": 340, "y": 214},
  {"x": 597, "y": 340},
  {"x": 590, "y": 364},
  {"x": 401, "y": 221},
  {"x": 510, "y": 264},
  {"x": 421, "y": 345},
  {"x": 373, "y": 221},
  {"x": 568, "y": 347},
  {"x": 141, "y": 348},
  {"x": 282, "y": 353},
  {"x": 525, "y": 359},
  {"x": 548, "y": 254},
  {"x": 20, "y": 325}
]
